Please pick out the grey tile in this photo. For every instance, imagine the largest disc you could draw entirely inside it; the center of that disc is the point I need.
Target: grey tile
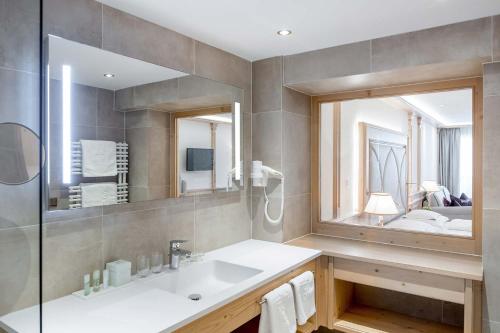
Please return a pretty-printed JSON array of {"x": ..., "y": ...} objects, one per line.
[
  {"x": 159, "y": 119},
  {"x": 124, "y": 99},
  {"x": 133, "y": 37},
  {"x": 83, "y": 133},
  {"x": 177, "y": 223},
  {"x": 491, "y": 158},
  {"x": 125, "y": 236},
  {"x": 261, "y": 228},
  {"x": 137, "y": 119},
  {"x": 221, "y": 219},
  {"x": 84, "y": 105},
  {"x": 338, "y": 61},
  {"x": 491, "y": 326},
  {"x": 219, "y": 65},
  {"x": 138, "y": 140},
  {"x": 107, "y": 116},
  {"x": 267, "y": 81},
  {"x": 134, "y": 207},
  {"x": 296, "y": 153},
  {"x": 77, "y": 20},
  {"x": 158, "y": 163},
  {"x": 296, "y": 102},
  {"x": 297, "y": 216},
  {"x": 19, "y": 98},
  {"x": 496, "y": 38},
  {"x": 152, "y": 94},
  {"x": 156, "y": 192},
  {"x": 19, "y": 30},
  {"x": 73, "y": 214},
  {"x": 491, "y": 257},
  {"x": 19, "y": 204},
  {"x": 491, "y": 79},
  {"x": 267, "y": 138},
  {"x": 455, "y": 42},
  {"x": 138, "y": 193},
  {"x": 110, "y": 134},
  {"x": 70, "y": 250},
  {"x": 19, "y": 259}
]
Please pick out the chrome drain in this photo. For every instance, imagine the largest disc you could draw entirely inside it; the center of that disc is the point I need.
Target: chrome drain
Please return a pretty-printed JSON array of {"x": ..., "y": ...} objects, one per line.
[{"x": 195, "y": 297}]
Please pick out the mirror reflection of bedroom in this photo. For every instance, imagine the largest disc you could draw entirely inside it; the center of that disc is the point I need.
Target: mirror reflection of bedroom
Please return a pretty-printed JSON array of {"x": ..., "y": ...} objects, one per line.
[{"x": 400, "y": 163}]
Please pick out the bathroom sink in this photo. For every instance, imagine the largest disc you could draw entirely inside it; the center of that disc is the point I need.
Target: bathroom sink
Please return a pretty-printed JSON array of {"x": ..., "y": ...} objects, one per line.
[{"x": 203, "y": 279}]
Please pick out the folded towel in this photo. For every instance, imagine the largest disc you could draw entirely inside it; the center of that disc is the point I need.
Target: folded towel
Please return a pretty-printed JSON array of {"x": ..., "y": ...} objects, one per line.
[
  {"x": 303, "y": 295},
  {"x": 98, "y": 158},
  {"x": 278, "y": 311},
  {"x": 98, "y": 194}
]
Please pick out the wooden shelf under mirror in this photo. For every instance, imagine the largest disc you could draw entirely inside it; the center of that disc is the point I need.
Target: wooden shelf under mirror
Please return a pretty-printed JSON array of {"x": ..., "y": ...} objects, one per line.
[{"x": 351, "y": 317}]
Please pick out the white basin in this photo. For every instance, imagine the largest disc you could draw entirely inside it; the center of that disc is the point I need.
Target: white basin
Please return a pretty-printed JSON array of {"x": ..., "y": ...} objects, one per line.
[{"x": 204, "y": 278}]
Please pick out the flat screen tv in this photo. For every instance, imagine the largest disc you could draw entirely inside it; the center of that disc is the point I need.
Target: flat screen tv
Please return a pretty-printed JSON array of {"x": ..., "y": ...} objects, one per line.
[{"x": 199, "y": 159}]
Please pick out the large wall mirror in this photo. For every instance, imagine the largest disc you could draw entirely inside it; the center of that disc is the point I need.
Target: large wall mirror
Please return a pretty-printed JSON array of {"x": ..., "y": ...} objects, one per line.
[
  {"x": 123, "y": 130},
  {"x": 401, "y": 162}
]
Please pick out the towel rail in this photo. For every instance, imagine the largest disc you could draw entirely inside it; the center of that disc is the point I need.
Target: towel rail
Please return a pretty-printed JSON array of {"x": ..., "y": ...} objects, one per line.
[
  {"x": 75, "y": 198},
  {"x": 262, "y": 301}
]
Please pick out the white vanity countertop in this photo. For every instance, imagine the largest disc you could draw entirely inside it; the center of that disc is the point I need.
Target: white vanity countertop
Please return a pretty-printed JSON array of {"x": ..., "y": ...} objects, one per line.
[{"x": 138, "y": 307}]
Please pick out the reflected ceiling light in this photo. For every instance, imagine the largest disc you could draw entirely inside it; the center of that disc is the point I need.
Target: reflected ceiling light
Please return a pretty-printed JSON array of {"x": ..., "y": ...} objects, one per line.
[
  {"x": 109, "y": 75},
  {"x": 284, "y": 32}
]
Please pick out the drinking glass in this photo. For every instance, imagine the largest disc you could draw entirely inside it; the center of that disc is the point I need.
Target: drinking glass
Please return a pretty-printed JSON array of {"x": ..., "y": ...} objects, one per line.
[
  {"x": 156, "y": 262},
  {"x": 143, "y": 267}
]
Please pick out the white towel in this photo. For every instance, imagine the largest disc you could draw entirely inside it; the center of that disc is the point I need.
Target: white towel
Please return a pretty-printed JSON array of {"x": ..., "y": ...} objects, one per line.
[
  {"x": 303, "y": 294},
  {"x": 98, "y": 194},
  {"x": 278, "y": 311},
  {"x": 98, "y": 158}
]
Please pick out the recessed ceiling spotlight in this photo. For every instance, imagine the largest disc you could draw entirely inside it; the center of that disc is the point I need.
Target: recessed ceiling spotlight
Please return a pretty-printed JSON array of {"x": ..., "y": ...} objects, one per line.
[
  {"x": 285, "y": 32},
  {"x": 109, "y": 75}
]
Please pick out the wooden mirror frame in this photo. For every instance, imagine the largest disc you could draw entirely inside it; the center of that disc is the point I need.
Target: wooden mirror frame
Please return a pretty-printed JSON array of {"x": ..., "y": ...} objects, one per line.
[
  {"x": 471, "y": 245},
  {"x": 174, "y": 140}
]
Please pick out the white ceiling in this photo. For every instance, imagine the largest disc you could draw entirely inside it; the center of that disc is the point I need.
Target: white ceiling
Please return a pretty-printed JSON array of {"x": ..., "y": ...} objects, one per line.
[
  {"x": 89, "y": 64},
  {"x": 248, "y": 28},
  {"x": 447, "y": 108}
]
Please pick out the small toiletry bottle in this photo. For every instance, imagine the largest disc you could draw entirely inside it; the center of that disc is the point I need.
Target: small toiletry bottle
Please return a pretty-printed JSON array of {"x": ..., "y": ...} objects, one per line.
[
  {"x": 105, "y": 279},
  {"x": 96, "y": 280},
  {"x": 86, "y": 284}
]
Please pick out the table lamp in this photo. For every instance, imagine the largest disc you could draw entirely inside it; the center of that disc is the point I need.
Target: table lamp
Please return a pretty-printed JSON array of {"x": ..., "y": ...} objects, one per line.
[{"x": 381, "y": 204}]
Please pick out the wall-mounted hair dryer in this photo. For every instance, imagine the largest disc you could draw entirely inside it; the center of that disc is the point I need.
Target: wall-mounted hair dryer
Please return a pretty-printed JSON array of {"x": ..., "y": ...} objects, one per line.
[{"x": 260, "y": 175}]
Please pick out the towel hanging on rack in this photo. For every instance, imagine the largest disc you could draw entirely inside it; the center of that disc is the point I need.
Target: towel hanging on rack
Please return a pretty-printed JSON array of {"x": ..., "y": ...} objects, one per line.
[
  {"x": 98, "y": 194},
  {"x": 278, "y": 311},
  {"x": 98, "y": 158}
]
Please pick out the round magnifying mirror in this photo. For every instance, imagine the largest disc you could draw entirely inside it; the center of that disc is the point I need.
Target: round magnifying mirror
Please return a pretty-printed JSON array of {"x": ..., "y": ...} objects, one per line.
[{"x": 19, "y": 154}]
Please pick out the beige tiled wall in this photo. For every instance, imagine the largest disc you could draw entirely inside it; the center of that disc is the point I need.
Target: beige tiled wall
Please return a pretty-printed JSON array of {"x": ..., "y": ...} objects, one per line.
[
  {"x": 491, "y": 196},
  {"x": 281, "y": 139}
]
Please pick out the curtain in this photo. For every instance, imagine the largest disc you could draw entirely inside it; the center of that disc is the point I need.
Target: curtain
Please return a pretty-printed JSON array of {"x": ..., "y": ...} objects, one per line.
[
  {"x": 449, "y": 159},
  {"x": 466, "y": 161}
]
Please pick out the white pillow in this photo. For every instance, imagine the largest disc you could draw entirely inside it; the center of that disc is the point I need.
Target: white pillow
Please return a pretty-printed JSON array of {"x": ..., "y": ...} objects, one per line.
[
  {"x": 458, "y": 224},
  {"x": 424, "y": 214},
  {"x": 446, "y": 193},
  {"x": 439, "y": 196}
]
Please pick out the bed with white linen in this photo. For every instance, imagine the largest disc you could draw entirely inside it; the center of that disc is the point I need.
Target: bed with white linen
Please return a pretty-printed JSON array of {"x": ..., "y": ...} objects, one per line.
[{"x": 421, "y": 220}]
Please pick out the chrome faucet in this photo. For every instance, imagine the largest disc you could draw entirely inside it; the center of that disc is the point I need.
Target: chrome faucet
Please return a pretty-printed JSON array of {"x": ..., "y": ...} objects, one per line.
[{"x": 176, "y": 253}]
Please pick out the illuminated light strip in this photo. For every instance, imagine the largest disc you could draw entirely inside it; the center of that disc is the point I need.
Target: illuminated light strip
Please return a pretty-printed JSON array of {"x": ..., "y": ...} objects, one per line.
[
  {"x": 237, "y": 142},
  {"x": 66, "y": 122},
  {"x": 47, "y": 144}
]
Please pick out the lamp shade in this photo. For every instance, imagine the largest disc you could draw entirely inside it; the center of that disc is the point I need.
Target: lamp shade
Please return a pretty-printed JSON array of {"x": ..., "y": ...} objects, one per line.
[
  {"x": 430, "y": 186},
  {"x": 381, "y": 204}
]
